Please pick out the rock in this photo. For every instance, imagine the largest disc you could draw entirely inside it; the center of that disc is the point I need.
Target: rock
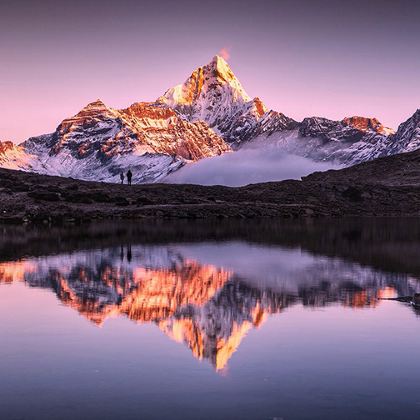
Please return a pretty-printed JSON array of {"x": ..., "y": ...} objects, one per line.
[
  {"x": 353, "y": 194},
  {"x": 143, "y": 201},
  {"x": 121, "y": 201},
  {"x": 44, "y": 195},
  {"x": 77, "y": 197},
  {"x": 99, "y": 197}
]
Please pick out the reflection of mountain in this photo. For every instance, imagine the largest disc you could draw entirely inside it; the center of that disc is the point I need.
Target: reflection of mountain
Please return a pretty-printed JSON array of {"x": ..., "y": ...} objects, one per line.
[
  {"x": 205, "y": 306},
  {"x": 100, "y": 284},
  {"x": 215, "y": 330}
]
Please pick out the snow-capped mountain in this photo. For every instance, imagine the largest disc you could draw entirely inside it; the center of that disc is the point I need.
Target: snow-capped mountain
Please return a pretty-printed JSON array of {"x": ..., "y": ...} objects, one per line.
[
  {"x": 213, "y": 94},
  {"x": 346, "y": 142},
  {"x": 207, "y": 115},
  {"x": 99, "y": 142}
]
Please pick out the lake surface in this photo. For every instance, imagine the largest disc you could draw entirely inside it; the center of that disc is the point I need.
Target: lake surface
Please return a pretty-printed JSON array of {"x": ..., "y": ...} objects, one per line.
[{"x": 225, "y": 320}]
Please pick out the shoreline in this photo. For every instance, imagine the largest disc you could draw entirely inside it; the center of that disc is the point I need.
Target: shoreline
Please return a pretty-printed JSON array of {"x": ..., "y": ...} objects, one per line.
[{"x": 384, "y": 187}]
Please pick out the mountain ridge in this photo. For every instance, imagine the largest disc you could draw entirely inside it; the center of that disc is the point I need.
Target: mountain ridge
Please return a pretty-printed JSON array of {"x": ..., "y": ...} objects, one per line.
[
  {"x": 207, "y": 115},
  {"x": 98, "y": 143}
]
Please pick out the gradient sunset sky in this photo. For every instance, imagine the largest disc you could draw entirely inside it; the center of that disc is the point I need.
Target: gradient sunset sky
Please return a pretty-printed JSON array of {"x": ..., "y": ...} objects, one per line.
[{"x": 303, "y": 58}]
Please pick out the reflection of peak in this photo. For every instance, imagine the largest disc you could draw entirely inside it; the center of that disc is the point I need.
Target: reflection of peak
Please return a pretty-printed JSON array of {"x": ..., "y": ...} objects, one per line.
[
  {"x": 215, "y": 330},
  {"x": 215, "y": 349}
]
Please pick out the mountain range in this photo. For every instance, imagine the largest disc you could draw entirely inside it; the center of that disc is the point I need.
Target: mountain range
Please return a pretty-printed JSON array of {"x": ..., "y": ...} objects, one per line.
[{"x": 208, "y": 115}]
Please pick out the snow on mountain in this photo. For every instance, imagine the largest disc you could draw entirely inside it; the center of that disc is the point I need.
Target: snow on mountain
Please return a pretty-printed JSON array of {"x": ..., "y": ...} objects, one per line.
[
  {"x": 356, "y": 139},
  {"x": 213, "y": 94},
  {"x": 100, "y": 142},
  {"x": 407, "y": 137},
  {"x": 13, "y": 156},
  {"x": 208, "y": 115},
  {"x": 346, "y": 142},
  {"x": 350, "y": 129}
]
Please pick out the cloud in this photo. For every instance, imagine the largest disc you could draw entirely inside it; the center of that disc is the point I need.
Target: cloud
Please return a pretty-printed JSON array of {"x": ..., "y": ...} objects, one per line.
[
  {"x": 224, "y": 53},
  {"x": 247, "y": 166}
]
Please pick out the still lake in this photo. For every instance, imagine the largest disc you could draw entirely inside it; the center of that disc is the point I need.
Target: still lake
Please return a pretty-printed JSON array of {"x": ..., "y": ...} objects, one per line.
[{"x": 221, "y": 320}]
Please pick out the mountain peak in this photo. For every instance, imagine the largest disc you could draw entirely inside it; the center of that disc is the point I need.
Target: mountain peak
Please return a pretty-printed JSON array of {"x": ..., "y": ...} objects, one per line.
[
  {"x": 221, "y": 68},
  {"x": 219, "y": 60},
  {"x": 214, "y": 95},
  {"x": 98, "y": 104},
  {"x": 367, "y": 124},
  {"x": 91, "y": 110},
  {"x": 214, "y": 80},
  {"x": 5, "y": 146},
  {"x": 218, "y": 72}
]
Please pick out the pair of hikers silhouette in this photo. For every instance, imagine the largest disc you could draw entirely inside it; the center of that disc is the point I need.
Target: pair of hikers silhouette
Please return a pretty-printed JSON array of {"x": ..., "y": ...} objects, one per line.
[{"x": 129, "y": 176}]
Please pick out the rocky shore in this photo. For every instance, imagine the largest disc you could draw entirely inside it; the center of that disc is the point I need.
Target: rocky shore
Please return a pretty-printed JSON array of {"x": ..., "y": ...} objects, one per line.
[{"x": 384, "y": 187}]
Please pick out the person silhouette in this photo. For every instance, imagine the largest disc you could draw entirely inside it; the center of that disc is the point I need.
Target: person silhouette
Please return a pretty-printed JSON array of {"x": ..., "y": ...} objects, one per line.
[
  {"x": 129, "y": 176},
  {"x": 122, "y": 177}
]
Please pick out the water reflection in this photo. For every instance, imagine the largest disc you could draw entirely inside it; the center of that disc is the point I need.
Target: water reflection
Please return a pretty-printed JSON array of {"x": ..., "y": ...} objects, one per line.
[{"x": 207, "y": 295}]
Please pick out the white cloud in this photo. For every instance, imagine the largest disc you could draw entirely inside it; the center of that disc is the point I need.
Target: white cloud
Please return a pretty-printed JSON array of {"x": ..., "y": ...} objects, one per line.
[{"x": 247, "y": 166}]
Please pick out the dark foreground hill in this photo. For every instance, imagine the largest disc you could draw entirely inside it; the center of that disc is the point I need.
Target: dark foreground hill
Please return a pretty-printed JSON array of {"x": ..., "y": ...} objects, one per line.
[{"x": 384, "y": 187}]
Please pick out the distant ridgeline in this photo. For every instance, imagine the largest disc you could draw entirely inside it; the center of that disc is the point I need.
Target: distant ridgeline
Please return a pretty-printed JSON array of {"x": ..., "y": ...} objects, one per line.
[{"x": 208, "y": 115}]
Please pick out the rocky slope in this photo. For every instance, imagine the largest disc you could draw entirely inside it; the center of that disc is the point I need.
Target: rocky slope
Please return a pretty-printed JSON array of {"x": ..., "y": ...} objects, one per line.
[{"x": 99, "y": 142}]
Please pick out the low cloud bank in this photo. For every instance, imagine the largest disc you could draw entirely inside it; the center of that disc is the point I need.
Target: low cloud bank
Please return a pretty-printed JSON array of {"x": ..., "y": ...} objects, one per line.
[{"x": 247, "y": 166}]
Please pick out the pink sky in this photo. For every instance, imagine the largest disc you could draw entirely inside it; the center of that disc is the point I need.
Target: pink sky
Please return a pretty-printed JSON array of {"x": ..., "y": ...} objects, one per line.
[{"x": 301, "y": 58}]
